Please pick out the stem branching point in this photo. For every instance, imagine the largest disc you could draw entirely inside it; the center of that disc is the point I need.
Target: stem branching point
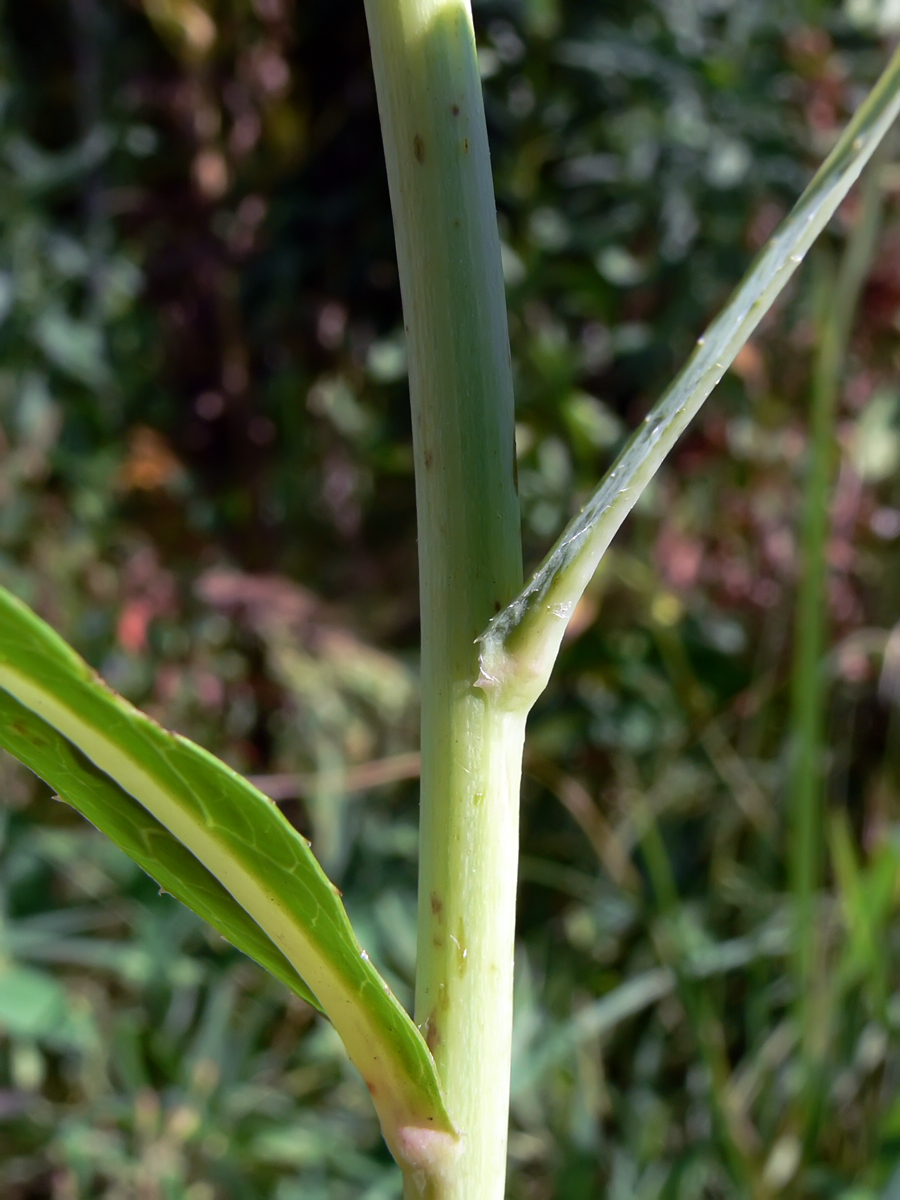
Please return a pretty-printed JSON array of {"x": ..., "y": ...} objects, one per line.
[{"x": 521, "y": 643}]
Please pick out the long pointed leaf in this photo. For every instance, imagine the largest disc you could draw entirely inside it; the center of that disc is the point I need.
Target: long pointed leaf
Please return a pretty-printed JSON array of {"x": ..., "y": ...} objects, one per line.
[
  {"x": 521, "y": 643},
  {"x": 133, "y": 829},
  {"x": 241, "y": 838}
]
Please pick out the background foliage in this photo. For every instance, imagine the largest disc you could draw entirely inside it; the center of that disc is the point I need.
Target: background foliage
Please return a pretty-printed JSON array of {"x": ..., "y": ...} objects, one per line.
[{"x": 206, "y": 485}]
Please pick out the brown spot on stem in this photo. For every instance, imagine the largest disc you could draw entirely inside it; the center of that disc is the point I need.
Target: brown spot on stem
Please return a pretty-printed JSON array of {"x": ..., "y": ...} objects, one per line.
[
  {"x": 437, "y": 905},
  {"x": 462, "y": 952},
  {"x": 429, "y": 459},
  {"x": 432, "y": 1033},
  {"x": 465, "y": 145},
  {"x": 419, "y": 148},
  {"x": 454, "y": 108}
]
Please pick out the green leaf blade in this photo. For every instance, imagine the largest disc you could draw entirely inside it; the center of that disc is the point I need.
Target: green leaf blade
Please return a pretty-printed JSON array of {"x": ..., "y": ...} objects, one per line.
[
  {"x": 80, "y": 784},
  {"x": 520, "y": 644},
  {"x": 240, "y": 838}
]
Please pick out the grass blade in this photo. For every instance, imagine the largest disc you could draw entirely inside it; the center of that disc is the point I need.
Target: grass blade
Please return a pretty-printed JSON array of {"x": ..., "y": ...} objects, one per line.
[{"x": 808, "y": 698}]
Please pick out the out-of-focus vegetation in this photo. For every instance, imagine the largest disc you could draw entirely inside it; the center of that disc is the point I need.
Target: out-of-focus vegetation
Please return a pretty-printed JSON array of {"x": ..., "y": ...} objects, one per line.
[{"x": 206, "y": 485}]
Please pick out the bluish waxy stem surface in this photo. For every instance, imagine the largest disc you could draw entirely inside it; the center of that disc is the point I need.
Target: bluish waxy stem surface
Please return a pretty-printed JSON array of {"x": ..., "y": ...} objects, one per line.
[
  {"x": 429, "y": 95},
  {"x": 521, "y": 643}
]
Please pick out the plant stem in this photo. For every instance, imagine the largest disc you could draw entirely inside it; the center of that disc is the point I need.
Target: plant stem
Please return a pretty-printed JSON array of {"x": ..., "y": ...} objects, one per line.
[
  {"x": 808, "y": 693},
  {"x": 448, "y": 251}
]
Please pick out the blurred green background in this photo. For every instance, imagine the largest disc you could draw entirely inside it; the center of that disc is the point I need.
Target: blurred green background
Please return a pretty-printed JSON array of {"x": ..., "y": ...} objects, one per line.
[{"x": 206, "y": 485}]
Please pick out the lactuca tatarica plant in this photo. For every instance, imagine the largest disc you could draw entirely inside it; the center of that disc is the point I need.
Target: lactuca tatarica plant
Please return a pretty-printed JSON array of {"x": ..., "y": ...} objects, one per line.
[{"x": 440, "y": 1080}]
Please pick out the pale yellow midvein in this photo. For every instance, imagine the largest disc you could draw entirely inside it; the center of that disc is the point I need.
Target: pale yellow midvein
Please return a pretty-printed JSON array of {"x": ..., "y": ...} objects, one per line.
[{"x": 362, "y": 1039}]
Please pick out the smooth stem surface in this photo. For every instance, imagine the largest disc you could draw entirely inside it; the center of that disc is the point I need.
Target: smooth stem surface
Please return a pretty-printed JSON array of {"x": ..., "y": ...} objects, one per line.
[
  {"x": 808, "y": 693},
  {"x": 448, "y": 250}
]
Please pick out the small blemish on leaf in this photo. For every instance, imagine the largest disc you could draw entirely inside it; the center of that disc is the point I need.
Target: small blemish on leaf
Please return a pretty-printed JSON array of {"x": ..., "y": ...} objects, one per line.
[
  {"x": 419, "y": 148},
  {"x": 454, "y": 108}
]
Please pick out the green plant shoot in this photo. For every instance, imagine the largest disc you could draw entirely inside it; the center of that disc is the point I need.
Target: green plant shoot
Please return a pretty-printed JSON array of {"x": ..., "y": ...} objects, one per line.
[{"x": 440, "y": 1085}]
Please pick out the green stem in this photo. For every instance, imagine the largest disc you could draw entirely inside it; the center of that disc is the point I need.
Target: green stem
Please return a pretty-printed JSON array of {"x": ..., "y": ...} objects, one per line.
[
  {"x": 448, "y": 250},
  {"x": 808, "y": 695}
]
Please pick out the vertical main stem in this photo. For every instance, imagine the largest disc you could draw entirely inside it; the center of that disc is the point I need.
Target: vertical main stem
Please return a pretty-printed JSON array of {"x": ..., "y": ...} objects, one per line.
[{"x": 430, "y": 101}]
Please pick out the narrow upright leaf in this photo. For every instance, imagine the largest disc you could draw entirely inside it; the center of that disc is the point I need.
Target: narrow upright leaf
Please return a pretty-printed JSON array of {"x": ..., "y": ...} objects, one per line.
[{"x": 521, "y": 643}]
